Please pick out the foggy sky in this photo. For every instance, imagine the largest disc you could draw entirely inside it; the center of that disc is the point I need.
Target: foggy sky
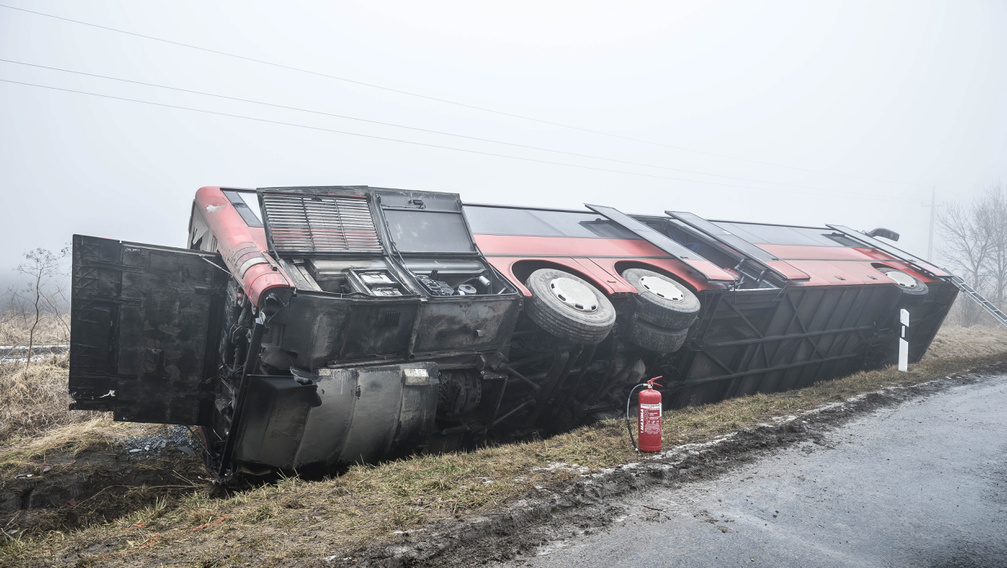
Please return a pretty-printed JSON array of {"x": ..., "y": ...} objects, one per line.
[{"x": 831, "y": 112}]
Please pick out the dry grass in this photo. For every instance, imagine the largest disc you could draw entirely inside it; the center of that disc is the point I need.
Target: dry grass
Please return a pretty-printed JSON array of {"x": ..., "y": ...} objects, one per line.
[
  {"x": 294, "y": 519},
  {"x": 51, "y": 329},
  {"x": 956, "y": 342},
  {"x": 35, "y": 399}
]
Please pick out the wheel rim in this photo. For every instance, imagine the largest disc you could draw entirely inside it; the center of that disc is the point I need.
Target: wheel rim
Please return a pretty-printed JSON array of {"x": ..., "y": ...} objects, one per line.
[
  {"x": 902, "y": 279},
  {"x": 577, "y": 295},
  {"x": 663, "y": 288}
]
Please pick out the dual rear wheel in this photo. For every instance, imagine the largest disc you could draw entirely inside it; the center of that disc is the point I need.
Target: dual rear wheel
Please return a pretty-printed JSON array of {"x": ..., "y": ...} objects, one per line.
[{"x": 665, "y": 309}]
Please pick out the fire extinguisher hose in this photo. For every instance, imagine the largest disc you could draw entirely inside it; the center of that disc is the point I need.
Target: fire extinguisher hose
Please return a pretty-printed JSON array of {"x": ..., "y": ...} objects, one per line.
[{"x": 629, "y": 428}]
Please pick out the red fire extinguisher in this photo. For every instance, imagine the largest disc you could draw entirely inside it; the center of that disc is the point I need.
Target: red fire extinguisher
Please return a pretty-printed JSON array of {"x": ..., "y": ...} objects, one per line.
[{"x": 649, "y": 417}]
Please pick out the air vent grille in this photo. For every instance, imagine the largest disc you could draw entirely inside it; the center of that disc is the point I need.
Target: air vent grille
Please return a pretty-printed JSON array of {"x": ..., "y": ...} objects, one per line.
[{"x": 307, "y": 224}]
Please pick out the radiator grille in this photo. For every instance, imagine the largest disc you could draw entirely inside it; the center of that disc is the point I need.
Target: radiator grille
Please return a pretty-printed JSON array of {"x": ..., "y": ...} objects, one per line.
[{"x": 305, "y": 224}]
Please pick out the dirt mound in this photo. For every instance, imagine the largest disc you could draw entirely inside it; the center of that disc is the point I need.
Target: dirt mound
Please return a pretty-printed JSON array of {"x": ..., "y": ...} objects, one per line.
[{"x": 77, "y": 482}]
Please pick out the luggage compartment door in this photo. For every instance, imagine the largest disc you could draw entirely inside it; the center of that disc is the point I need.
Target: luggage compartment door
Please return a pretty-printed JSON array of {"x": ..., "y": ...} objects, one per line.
[{"x": 145, "y": 325}]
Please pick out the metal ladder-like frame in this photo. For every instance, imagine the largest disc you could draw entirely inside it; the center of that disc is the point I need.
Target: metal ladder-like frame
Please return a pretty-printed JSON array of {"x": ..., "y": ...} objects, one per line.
[
  {"x": 926, "y": 268},
  {"x": 980, "y": 299}
]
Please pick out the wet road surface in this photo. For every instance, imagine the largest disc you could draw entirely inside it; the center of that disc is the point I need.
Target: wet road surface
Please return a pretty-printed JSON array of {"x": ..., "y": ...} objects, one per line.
[{"x": 920, "y": 484}]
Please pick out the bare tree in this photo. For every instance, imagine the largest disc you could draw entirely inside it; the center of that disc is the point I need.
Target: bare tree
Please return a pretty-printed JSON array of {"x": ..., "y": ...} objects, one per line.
[
  {"x": 996, "y": 262},
  {"x": 42, "y": 293},
  {"x": 969, "y": 232}
]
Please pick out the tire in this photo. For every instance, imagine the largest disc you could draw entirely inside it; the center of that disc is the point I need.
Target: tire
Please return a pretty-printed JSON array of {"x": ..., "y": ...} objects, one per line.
[
  {"x": 662, "y": 301},
  {"x": 656, "y": 339},
  {"x": 568, "y": 307},
  {"x": 913, "y": 289}
]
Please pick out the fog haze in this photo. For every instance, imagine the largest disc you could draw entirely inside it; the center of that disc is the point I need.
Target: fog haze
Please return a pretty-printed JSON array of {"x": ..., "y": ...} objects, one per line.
[{"x": 810, "y": 112}]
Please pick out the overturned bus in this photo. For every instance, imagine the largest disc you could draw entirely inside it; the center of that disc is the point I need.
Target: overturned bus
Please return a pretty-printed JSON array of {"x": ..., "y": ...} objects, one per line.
[{"x": 316, "y": 327}]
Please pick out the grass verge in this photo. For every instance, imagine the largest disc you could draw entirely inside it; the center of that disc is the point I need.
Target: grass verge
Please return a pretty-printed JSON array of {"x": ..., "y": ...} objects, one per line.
[
  {"x": 294, "y": 521},
  {"x": 35, "y": 400}
]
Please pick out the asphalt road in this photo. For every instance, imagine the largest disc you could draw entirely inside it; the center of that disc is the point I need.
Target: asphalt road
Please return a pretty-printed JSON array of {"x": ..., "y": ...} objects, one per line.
[{"x": 920, "y": 484}]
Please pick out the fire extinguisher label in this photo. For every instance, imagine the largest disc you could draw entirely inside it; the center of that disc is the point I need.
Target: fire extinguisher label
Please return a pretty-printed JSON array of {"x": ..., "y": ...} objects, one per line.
[{"x": 650, "y": 418}]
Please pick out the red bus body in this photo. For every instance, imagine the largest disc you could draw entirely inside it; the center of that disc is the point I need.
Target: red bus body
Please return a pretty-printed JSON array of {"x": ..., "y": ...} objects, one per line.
[{"x": 316, "y": 327}]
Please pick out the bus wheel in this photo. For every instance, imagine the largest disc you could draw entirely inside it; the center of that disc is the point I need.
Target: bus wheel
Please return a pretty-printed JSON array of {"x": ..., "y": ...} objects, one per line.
[
  {"x": 568, "y": 307},
  {"x": 662, "y": 301}
]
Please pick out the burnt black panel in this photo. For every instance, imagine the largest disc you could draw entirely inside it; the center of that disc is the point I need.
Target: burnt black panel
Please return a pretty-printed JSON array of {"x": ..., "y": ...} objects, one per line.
[
  {"x": 768, "y": 341},
  {"x": 144, "y": 325}
]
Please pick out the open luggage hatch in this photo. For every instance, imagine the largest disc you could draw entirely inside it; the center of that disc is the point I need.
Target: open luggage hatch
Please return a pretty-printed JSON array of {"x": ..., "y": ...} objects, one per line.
[{"x": 145, "y": 323}]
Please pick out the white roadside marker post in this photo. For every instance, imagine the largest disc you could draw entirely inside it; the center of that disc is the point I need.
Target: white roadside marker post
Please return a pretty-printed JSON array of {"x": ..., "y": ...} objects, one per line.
[{"x": 903, "y": 342}]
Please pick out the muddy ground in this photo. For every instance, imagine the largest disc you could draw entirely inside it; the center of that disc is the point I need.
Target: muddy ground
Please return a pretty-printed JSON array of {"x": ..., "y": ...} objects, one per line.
[
  {"x": 94, "y": 480},
  {"x": 103, "y": 479}
]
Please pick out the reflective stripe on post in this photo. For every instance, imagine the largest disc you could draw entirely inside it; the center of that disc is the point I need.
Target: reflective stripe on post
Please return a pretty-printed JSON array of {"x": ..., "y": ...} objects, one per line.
[{"x": 903, "y": 342}]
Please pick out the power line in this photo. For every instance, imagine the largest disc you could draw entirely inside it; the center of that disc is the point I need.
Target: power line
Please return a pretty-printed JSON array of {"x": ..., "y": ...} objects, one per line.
[
  {"x": 402, "y": 141},
  {"x": 444, "y": 101},
  {"x": 413, "y": 128}
]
